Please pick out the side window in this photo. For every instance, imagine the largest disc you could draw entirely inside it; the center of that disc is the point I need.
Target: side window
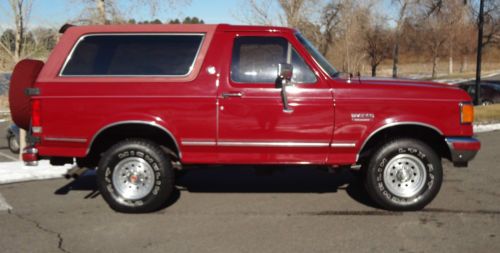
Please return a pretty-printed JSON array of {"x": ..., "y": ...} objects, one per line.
[
  {"x": 133, "y": 55},
  {"x": 256, "y": 59}
]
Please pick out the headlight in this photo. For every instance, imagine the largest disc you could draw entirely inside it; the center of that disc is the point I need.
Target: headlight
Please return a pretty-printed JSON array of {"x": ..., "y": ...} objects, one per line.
[{"x": 466, "y": 113}]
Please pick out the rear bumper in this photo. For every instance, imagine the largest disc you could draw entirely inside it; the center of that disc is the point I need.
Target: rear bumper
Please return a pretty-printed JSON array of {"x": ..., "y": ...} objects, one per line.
[{"x": 462, "y": 149}]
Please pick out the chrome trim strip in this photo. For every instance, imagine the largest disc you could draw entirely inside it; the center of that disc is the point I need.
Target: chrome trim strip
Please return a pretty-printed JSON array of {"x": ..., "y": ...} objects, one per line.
[
  {"x": 150, "y": 123},
  {"x": 77, "y": 140},
  {"x": 342, "y": 145},
  {"x": 199, "y": 143},
  {"x": 272, "y": 144},
  {"x": 68, "y": 58},
  {"x": 461, "y": 139},
  {"x": 393, "y": 125}
]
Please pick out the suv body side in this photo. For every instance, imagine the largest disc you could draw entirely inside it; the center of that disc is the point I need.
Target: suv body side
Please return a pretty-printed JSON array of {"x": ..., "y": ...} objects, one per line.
[{"x": 333, "y": 121}]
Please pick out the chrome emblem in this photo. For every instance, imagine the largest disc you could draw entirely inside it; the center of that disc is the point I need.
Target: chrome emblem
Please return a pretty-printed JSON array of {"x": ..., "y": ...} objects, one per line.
[{"x": 362, "y": 117}]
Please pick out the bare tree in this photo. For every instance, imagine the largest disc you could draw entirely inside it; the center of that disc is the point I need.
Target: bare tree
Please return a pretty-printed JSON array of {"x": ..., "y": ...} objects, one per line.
[
  {"x": 403, "y": 9},
  {"x": 110, "y": 11},
  {"x": 377, "y": 46},
  {"x": 20, "y": 12},
  {"x": 491, "y": 34},
  {"x": 329, "y": 23}
]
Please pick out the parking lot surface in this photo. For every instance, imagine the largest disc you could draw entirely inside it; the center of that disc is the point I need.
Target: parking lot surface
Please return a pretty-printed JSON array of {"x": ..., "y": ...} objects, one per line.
[{"x": 234, "y": 209}]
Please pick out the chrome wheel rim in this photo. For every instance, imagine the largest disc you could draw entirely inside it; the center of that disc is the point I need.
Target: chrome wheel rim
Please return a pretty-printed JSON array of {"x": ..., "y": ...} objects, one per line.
[
  {"x": 404, "y": 175},
  {"x": 13, "y": 143},
  {"x": 133, "y": 178}
]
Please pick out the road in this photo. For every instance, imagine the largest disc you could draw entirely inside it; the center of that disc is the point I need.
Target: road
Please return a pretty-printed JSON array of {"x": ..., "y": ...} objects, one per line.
[{"x": 232, "y": 209}]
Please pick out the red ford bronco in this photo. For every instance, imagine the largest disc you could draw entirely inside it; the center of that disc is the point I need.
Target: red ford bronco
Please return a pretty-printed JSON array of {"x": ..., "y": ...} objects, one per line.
[{"x": 140, "y": 101}]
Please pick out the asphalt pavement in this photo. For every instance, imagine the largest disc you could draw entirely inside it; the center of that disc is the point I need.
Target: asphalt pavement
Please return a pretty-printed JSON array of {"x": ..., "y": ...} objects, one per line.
[{"x": 233, "y": 209}]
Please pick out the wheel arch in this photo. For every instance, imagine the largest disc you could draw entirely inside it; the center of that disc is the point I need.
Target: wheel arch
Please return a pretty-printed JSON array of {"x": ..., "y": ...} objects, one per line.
[
  {"x": 113, "y": 132},
  {"x": 429, "y": 134}
]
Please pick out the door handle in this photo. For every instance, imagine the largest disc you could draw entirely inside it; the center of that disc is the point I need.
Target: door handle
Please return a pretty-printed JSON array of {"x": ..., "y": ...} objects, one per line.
[{"x": 232, "y": 94}]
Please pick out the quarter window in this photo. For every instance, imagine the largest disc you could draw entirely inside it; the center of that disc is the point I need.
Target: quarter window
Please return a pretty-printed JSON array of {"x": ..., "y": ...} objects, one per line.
[
  {"x": 256, "y": 59},
  {"x": 133, "y": 55}
]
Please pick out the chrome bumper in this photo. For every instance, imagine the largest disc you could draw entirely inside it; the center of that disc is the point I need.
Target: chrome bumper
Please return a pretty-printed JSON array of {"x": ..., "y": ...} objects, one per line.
[{"x": 462, "y": 149}]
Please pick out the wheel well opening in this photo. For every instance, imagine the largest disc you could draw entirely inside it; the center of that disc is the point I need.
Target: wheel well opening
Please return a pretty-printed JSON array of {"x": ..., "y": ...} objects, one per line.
[
  {"x": 425, "y": 134},
  {"x": 110, "y": 136}
]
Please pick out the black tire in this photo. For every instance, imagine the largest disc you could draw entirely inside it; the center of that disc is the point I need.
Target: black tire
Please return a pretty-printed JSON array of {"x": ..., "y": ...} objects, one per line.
[
  {"x": 404, "y": 175},
  {"x": 13, "y": 143},
  {"x": 148, "y": 159}
]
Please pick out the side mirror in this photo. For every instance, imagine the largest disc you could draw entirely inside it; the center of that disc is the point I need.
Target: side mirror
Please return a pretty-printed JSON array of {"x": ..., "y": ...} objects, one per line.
[{"x": 285, "y": 73}]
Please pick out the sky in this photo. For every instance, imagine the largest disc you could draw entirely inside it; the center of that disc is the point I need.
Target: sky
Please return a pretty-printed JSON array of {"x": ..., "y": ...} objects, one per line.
[{"x": 54, "y": 13}]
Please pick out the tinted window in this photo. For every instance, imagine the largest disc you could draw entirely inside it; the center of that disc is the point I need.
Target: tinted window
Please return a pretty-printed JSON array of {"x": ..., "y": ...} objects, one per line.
[
  {"x": 134, "y": 55},
  {"x": 256, "y": 59}
]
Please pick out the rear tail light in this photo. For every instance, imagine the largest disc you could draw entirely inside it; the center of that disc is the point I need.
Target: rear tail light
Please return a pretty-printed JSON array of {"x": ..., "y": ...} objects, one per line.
[
  {"x": 466, "y": 113},
  {"x": 36, "y": 122}
]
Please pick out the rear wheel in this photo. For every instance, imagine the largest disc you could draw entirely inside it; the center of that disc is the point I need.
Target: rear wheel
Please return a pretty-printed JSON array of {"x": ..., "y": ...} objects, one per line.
[
  {"x": 135, "y": 176},
  {"x": 404, "y": 175}
]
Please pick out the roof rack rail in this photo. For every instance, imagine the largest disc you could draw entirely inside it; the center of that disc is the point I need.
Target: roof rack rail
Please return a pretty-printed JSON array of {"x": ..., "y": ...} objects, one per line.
[{"x": 65, "y": 27}]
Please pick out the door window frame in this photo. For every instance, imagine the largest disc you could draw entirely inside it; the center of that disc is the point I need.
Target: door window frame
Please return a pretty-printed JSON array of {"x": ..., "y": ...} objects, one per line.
[{"x": 295, "y": 45}]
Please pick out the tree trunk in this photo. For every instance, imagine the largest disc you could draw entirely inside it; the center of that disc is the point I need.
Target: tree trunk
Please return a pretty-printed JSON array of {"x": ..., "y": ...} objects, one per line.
[
  {"x": 450, "y": 61},
  {"x": 374, "y": 70},
  {"x": 395, "y": 57},
  {"x": 463, "y": 67},
  {"x": 434, "y": 65},
  {"x": 19, "y": 41},
  {"x": 101, "y": 8}
]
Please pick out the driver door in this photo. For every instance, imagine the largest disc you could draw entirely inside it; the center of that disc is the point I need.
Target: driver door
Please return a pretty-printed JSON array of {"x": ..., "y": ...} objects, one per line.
[{"x": 253, "y": 126}]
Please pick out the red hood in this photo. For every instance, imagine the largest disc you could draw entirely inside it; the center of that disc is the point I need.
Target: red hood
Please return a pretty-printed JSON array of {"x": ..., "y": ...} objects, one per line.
[{"x": 389, "y": 88}]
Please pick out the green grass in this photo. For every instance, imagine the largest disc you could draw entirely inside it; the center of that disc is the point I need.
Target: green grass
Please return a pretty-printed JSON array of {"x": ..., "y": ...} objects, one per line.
[{"x": 487, "y": 114}]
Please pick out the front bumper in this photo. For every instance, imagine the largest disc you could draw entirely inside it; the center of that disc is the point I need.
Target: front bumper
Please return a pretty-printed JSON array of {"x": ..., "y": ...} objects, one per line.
[{"x": 462, "y": 149}]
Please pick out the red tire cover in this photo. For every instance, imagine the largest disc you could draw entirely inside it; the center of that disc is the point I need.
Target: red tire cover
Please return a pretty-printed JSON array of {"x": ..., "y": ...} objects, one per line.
[{"x": 24, "y": 76}]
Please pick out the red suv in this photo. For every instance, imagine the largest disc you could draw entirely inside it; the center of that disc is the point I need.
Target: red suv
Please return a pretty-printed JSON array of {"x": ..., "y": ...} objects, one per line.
[{"x": 140, "y": 101}]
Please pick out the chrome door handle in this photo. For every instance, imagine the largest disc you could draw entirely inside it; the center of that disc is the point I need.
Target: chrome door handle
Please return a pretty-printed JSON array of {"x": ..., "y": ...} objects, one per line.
[{"x": 232, "y": 94}]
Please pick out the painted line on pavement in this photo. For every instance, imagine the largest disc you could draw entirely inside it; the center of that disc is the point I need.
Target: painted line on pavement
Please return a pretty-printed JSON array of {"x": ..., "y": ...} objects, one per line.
[
  {"x": 4, "y": 206},
  {"x": 9, "y": 157}
]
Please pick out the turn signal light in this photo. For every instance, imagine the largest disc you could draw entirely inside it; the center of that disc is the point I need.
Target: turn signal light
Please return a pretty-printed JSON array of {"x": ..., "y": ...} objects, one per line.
[{"x": 467, "y": 113}]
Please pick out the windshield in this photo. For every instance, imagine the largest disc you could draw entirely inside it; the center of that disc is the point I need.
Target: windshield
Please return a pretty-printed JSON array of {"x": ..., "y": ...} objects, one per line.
[{"x": 318, "y": 57}]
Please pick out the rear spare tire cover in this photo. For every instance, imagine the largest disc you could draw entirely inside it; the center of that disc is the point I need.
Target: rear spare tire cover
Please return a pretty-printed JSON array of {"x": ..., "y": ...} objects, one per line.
[{"x": 24, "y": 76}]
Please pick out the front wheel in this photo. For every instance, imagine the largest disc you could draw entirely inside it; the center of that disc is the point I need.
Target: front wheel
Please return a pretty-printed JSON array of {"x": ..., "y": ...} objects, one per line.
[
  {"x": 135, "y": 176},
  {"x": 404, "y": 175}
]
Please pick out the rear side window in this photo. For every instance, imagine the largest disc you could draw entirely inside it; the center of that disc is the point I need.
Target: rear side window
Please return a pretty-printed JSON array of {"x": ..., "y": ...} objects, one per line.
[{"x": 133, "y": 55}]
